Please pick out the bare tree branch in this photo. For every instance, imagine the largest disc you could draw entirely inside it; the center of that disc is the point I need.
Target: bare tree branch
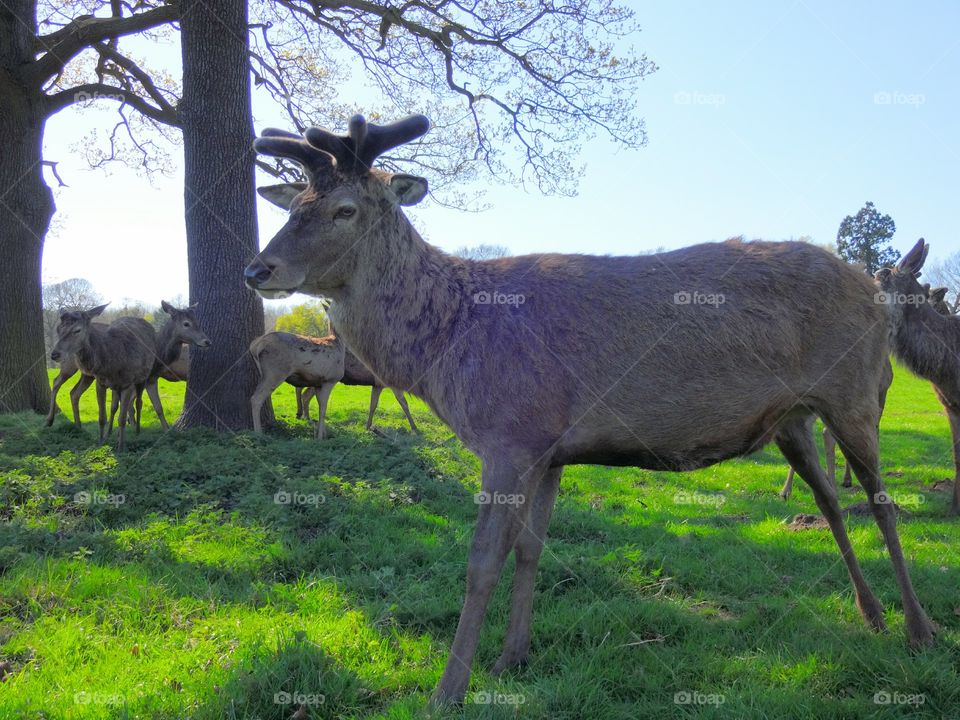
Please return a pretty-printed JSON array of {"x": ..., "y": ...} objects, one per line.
[
  {"x": 101, "y": 91},
  {"x": 539, "y": 78},
  {"x": 53, "y": 168},
  {"x": 61, "y": 46}
]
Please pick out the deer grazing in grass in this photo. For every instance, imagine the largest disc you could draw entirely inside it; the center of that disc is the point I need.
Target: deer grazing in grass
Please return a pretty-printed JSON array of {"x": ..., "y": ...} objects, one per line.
[
  {"x": 356, "y": 373},
  {"x": 120, "y": 358},
  {"x": 607, "y": 360},
  {"x": 301, "y": 361},
  {"x": 926, "y": 339}
]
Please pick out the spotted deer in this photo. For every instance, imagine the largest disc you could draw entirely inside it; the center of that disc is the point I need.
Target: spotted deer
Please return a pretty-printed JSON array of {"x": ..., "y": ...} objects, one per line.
[
  {"x": 356, "y": 373},
  {"x": 302, "y": 361}
]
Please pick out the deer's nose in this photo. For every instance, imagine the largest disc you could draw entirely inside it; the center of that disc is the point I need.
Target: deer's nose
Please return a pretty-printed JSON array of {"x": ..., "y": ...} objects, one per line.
[
  {"x": 55, "y": 355},
  {"x": 257, "y": 273}
]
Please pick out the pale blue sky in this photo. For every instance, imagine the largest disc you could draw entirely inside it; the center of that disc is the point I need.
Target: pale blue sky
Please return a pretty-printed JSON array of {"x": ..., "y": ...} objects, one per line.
[{"x": 771, "y": 120}]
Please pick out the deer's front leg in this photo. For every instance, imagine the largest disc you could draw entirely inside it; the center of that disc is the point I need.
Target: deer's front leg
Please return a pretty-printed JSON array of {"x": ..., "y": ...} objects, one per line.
[
  {"x": 499, "y": 524},
  {"x": 529, "y": 546}
]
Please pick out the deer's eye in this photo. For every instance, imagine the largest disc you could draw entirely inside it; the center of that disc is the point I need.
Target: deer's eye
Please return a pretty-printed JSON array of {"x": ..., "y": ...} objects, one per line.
[
  {"x": 76, "y": 330},
  {"x": 345, "y": 211},
  {"x": 186, "y": 323}
]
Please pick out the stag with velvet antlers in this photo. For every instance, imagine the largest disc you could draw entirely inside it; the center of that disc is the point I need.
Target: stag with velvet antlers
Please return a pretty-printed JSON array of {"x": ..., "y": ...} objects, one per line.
[{"x": 599, "y": 364}]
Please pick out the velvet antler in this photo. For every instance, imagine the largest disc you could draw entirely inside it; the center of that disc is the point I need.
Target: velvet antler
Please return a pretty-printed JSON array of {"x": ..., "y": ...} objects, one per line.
[
  {"x": 318, "y": 151},
  {"x": 365, "y": 142}
]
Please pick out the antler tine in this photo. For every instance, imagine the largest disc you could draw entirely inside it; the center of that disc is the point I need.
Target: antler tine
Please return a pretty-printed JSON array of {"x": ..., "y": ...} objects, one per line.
[
  {"x": 280, "y": 143},
  {"x": 381, "y": 138},
  {"x": 365, "y": 142}
]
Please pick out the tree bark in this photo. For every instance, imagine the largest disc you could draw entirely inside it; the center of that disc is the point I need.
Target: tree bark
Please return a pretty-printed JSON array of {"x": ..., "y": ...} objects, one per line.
[
  {"x": 221, "y": 221},
  {"x": 26, "y": 207}
]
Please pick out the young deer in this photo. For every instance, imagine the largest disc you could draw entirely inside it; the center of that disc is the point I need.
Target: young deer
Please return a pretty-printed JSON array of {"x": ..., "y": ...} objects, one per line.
[
  {"x": 120, "y": 358},
  {"x": 356, "y": 373},
  {"x": 172, "y": 363},
  {"x": 301, "y": 361},
  {"x": 926, "y": 339},
  {"x": 69, "y": 368},
  {"x": 672, "y": 361}
]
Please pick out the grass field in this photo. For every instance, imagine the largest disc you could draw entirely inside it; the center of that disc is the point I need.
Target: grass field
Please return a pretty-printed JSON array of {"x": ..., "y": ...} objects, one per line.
[{"x": 167, "y": 582}]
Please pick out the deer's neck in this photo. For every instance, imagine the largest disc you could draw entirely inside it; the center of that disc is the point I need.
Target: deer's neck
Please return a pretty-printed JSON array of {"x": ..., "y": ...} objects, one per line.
[
  {"x": 928, "y": 343},
  {"x": 93, "y": 353},
  {"x": 169, "y": 346},
  {"x": 404, "y": 309}
]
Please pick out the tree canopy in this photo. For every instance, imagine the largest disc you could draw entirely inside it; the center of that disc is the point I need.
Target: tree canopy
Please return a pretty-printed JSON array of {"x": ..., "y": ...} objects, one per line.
[{"x": 865, "y": 238}]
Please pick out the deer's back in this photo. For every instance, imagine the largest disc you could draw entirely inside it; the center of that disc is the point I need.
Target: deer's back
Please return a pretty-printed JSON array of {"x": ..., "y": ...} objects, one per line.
[
  {"x": 299, "y": 359},
  {"x": 670, "y": 360}
]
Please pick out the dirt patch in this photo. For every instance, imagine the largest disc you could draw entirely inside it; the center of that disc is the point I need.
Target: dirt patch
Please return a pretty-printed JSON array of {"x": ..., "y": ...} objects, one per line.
[
  {"x": 712, "y": 612},
  {"x": 804, "y": 521},
  {"x": 862, "y": 509}
]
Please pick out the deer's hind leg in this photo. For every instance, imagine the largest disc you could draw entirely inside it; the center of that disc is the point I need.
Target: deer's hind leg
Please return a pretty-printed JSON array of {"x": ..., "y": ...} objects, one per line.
[
  {"x": 795, "y": 439},
  {"x": 859, "y": 440}
]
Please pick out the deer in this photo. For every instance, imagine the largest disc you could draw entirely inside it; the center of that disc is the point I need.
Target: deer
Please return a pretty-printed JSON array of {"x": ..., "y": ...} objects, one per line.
[
  {"x": 670, "y": 361},
  {"x": 301, "y": 361},
  {"x": 936, "y": 298},
  {"x": 172, "y": 357},
  {"x": 926, "y": 338},
  {"x": 356, "y": 373},
  {"x": 121, "y": 358},
  {"x": 69, "y": 368},
  {"x": 830, "y": 444}
]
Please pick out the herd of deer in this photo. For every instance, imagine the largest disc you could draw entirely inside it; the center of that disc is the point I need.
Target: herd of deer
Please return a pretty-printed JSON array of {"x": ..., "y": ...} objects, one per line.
[
  {"x": 127, "y": 356},
  {"x": 599, "y": 365}
]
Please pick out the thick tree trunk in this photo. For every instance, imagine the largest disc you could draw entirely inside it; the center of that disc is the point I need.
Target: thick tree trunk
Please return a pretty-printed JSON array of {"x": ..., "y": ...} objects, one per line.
[
  {"x": 26, "y": 206},
  {"x": 221, "y": 216}
]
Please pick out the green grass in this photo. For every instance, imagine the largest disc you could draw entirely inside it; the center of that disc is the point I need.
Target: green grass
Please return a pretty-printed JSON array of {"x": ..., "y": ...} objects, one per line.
[{"x": 184, "y": 591}]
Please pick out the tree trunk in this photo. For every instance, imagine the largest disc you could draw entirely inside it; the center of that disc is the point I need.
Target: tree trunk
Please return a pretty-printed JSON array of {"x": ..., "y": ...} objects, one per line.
[
  {"x": 26, "y": 206},
  {"x": 221, "y": 216}
]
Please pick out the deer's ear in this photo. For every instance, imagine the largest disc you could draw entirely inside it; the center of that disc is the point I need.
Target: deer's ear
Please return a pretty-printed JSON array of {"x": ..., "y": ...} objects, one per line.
[
  {"x": 93, "y": 312},
  {"x": 167, "y": 307},
  {"x": 282, "y": 195},
  {"x": 938, "y": 294},
  {"x": 913, "y": 261},
  {"x": 408, "y": 189}
]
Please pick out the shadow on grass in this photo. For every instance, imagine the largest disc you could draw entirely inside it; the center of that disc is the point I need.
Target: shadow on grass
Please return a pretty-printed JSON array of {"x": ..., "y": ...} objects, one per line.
[{"x": 624, "y": 606}]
